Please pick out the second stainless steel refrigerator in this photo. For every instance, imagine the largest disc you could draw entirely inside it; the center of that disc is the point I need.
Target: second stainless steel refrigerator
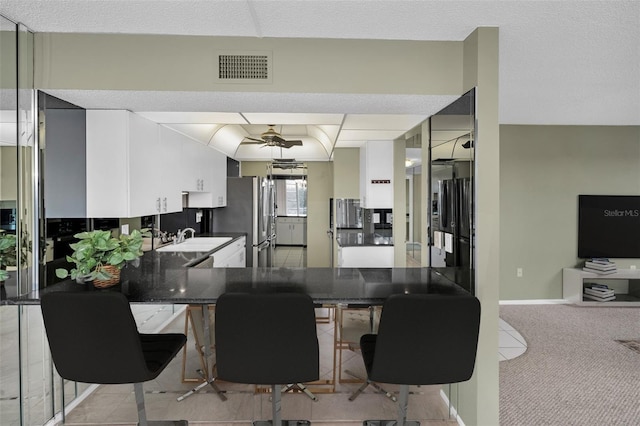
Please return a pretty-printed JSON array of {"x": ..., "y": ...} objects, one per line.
[{"x": 250, "y": 209}]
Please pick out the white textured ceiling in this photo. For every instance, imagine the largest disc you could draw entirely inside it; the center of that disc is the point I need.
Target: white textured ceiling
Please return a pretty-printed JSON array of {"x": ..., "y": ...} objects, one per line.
[{"x": 561, "y": 62}]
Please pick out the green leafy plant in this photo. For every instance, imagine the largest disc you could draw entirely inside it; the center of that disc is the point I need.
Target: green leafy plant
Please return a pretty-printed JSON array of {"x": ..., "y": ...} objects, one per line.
[
  {"x": 97, "y": 249},
  {"x": 7, "y": 253}
]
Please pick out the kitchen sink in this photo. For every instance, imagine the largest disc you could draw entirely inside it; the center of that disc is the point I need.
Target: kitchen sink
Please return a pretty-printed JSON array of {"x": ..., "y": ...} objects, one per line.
[{"x": 196, "y": 244}]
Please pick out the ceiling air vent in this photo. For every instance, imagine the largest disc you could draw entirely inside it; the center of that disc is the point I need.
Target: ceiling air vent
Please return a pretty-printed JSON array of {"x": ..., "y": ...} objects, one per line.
[{"x": 243, "y": 67}]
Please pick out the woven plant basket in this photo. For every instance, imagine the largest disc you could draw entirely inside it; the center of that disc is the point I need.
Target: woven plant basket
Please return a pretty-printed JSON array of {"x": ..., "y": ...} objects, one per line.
[{"x": 115, "y": 277}]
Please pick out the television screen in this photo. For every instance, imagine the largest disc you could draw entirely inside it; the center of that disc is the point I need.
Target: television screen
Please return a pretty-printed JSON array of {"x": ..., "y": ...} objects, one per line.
[{"x": 608, "y": 226}]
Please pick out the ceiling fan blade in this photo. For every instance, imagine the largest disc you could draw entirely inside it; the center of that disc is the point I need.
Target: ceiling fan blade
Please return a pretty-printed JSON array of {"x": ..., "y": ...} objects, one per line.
[
  {"x": 254, "y": 139},
  {"x": 289, "y": 144},
  {"x": 277, "y": 138},
  {"x": 251, "y": 142}
]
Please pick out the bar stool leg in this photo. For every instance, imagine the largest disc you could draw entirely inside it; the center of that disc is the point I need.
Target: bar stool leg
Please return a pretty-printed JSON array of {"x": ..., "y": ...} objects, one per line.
[
  {"x": 366, "y": 383},
  {"x": 142, "y": 415},
  {"x": 276, "y": 403},
  {"x": 403, "y": 402},
  {"x": 302, "y": 387}
]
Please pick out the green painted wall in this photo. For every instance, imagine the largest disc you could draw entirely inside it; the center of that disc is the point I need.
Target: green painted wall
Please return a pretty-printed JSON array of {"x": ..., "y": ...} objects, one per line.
[
  {"x": 319, "y": 191},
  {"x": 543, "y": 169},
  {"x": 479, "y": 397},
  {"x": 346, "y": 169},
  {"x": 170, "y": 62}
]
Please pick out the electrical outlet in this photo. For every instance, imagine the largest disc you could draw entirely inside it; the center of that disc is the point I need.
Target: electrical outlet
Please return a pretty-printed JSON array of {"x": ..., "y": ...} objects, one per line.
[
  {"x": 519, "y": 272},
  {"x": 632, "y": 267},
  {"x": 124, "y": 229}
]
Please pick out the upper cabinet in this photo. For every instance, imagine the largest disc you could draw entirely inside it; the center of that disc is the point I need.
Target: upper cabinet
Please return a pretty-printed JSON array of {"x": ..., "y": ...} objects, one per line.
[
  {"x": 170, "y": 163},
  {"x": 196, "y": 168},
  {"x": 124, "y": 166},
  {"x": 376, "y": 175},
  {"x": 211, "y": 171},
  {"x": 136, "y": 167},
  {"x": 202, "y": 172}
]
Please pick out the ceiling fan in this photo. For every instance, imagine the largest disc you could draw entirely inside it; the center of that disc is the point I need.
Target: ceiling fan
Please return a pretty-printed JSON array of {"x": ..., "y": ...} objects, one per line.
[{"x": 271, "y": 138}]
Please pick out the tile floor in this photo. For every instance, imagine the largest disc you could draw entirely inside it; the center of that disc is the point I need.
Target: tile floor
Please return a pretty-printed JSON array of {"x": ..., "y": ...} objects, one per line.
[
  {"x": 290, "y": 257},
  {"x": 511, "y": 344}
]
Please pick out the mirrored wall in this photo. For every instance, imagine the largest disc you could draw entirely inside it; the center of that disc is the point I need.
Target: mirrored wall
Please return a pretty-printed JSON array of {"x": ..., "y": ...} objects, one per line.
[
  {"x": 414, "y": 197},
  {"x": 28, "y": 384},
  {"x": 451, "y": 192}
]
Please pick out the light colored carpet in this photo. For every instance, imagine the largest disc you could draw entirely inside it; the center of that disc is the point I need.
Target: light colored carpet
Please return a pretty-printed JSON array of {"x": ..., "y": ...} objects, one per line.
[{"x": 573, "y": 372}]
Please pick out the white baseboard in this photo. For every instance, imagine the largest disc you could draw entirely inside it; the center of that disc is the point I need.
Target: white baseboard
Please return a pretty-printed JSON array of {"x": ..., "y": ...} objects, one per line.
[
  {"x": 535, "y": 302},
  {"x": 453, "y": 408}
]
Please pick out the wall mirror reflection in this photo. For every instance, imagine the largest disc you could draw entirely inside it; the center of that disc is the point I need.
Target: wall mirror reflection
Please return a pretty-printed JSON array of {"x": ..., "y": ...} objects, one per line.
[
  {"x": 414, "y": 197},
  {"x": 452, "y": 154},
  {"x": 290, "y": 213}
]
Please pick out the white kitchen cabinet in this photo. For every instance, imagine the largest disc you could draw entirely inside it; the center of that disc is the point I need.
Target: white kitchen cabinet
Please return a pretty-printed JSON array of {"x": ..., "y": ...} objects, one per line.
[
  {"x": 126, "y": 166},
  {"x": 365, "y": 257},
  {"x": 376, "y": 175},
  {"x": 170, "y": 153},
  {"x": 196, "y": 176},
  {"x": 231, "y": 256},
  {"x": 213, "y": 180},
  {"x": 291, "y": 231}
]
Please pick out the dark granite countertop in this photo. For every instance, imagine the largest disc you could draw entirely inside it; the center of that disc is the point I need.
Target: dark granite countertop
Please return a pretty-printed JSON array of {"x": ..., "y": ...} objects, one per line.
[
  {"x": 165, "y": 277},
  {"x": 161, "y": 282}
]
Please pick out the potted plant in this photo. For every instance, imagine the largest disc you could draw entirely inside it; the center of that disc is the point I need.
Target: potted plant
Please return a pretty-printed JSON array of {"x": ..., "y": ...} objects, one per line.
[
  {"x": 7, "y": 253},
  {"x": 99, "y": 257}
]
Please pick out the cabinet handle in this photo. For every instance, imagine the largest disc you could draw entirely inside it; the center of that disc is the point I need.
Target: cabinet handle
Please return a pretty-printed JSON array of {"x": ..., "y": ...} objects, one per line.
[
  {"x": 158, "y": 205},
  {"x": 164, "y": 204}
]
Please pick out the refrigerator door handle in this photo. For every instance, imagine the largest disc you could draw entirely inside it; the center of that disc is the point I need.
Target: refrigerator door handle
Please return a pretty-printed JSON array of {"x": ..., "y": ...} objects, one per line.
[
  {"x": 266, "y": 242},
  {"x": 262, "y": 244}
]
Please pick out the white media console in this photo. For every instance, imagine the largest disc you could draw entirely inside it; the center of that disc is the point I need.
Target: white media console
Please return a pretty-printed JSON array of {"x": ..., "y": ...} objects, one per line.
[{"x": 625, "y": 283}]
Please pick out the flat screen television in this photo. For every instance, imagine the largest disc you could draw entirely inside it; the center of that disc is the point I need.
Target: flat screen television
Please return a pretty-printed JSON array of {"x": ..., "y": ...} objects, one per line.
[{"x": 608, "y": 226}]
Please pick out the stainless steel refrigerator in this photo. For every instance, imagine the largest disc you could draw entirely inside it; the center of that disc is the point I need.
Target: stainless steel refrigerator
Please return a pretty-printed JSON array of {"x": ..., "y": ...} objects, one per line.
[
  {"x": 348, "y": 214},
  {"x": 455, "y": 211},
  {"x": 250, "y": 209}
]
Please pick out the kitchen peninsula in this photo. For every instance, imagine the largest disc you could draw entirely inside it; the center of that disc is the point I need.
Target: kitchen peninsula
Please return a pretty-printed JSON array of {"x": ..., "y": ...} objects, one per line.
[{"x": 174, "y": 278}]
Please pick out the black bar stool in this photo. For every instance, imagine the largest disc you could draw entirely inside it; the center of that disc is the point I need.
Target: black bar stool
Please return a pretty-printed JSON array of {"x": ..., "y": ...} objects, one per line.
[
  {"x": 93, "y": 338},
  {"x": 423, "y": 339},
  {"x": 267, "y": 339}
]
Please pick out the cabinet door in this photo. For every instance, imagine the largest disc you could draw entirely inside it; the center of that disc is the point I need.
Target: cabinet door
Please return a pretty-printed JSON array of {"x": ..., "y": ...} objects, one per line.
[
  {"x": 107, "y": 160},
  {"x": 218, "y": 178},
  {"x": 202, "y": 169},
  {"x": 144, "y": 166},
  {"x": 376, "y": 174},
  {"x": 190, "y": 164},
  {"x": 283, "y": 231},
  {"x": 170, "y": 150},
  {"x": 297, "y": 236}
]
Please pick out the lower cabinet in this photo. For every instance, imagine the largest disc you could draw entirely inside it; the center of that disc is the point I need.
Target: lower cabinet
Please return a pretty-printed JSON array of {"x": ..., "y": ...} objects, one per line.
[
  {"x": 365, "y": 257},
  {"x": 291, "y": 231},
  {"x": 231, "y": 256}
]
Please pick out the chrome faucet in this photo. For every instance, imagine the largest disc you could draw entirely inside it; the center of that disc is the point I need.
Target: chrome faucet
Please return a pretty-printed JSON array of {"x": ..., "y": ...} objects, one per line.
[{"x": 180, "y": 237}]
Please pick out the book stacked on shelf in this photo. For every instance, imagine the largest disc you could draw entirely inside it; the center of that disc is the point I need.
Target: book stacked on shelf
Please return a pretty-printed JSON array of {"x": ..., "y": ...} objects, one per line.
[
  {"x": 598, "y": 292},
  {"x": 600, "y": 266}
]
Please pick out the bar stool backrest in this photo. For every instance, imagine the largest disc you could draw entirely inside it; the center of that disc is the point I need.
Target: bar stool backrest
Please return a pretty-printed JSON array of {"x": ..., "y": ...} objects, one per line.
[
  {"x": 266, "y": 338},
  {"x": 426, "y": 339},
  {"x": 93, "y": 337}
]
